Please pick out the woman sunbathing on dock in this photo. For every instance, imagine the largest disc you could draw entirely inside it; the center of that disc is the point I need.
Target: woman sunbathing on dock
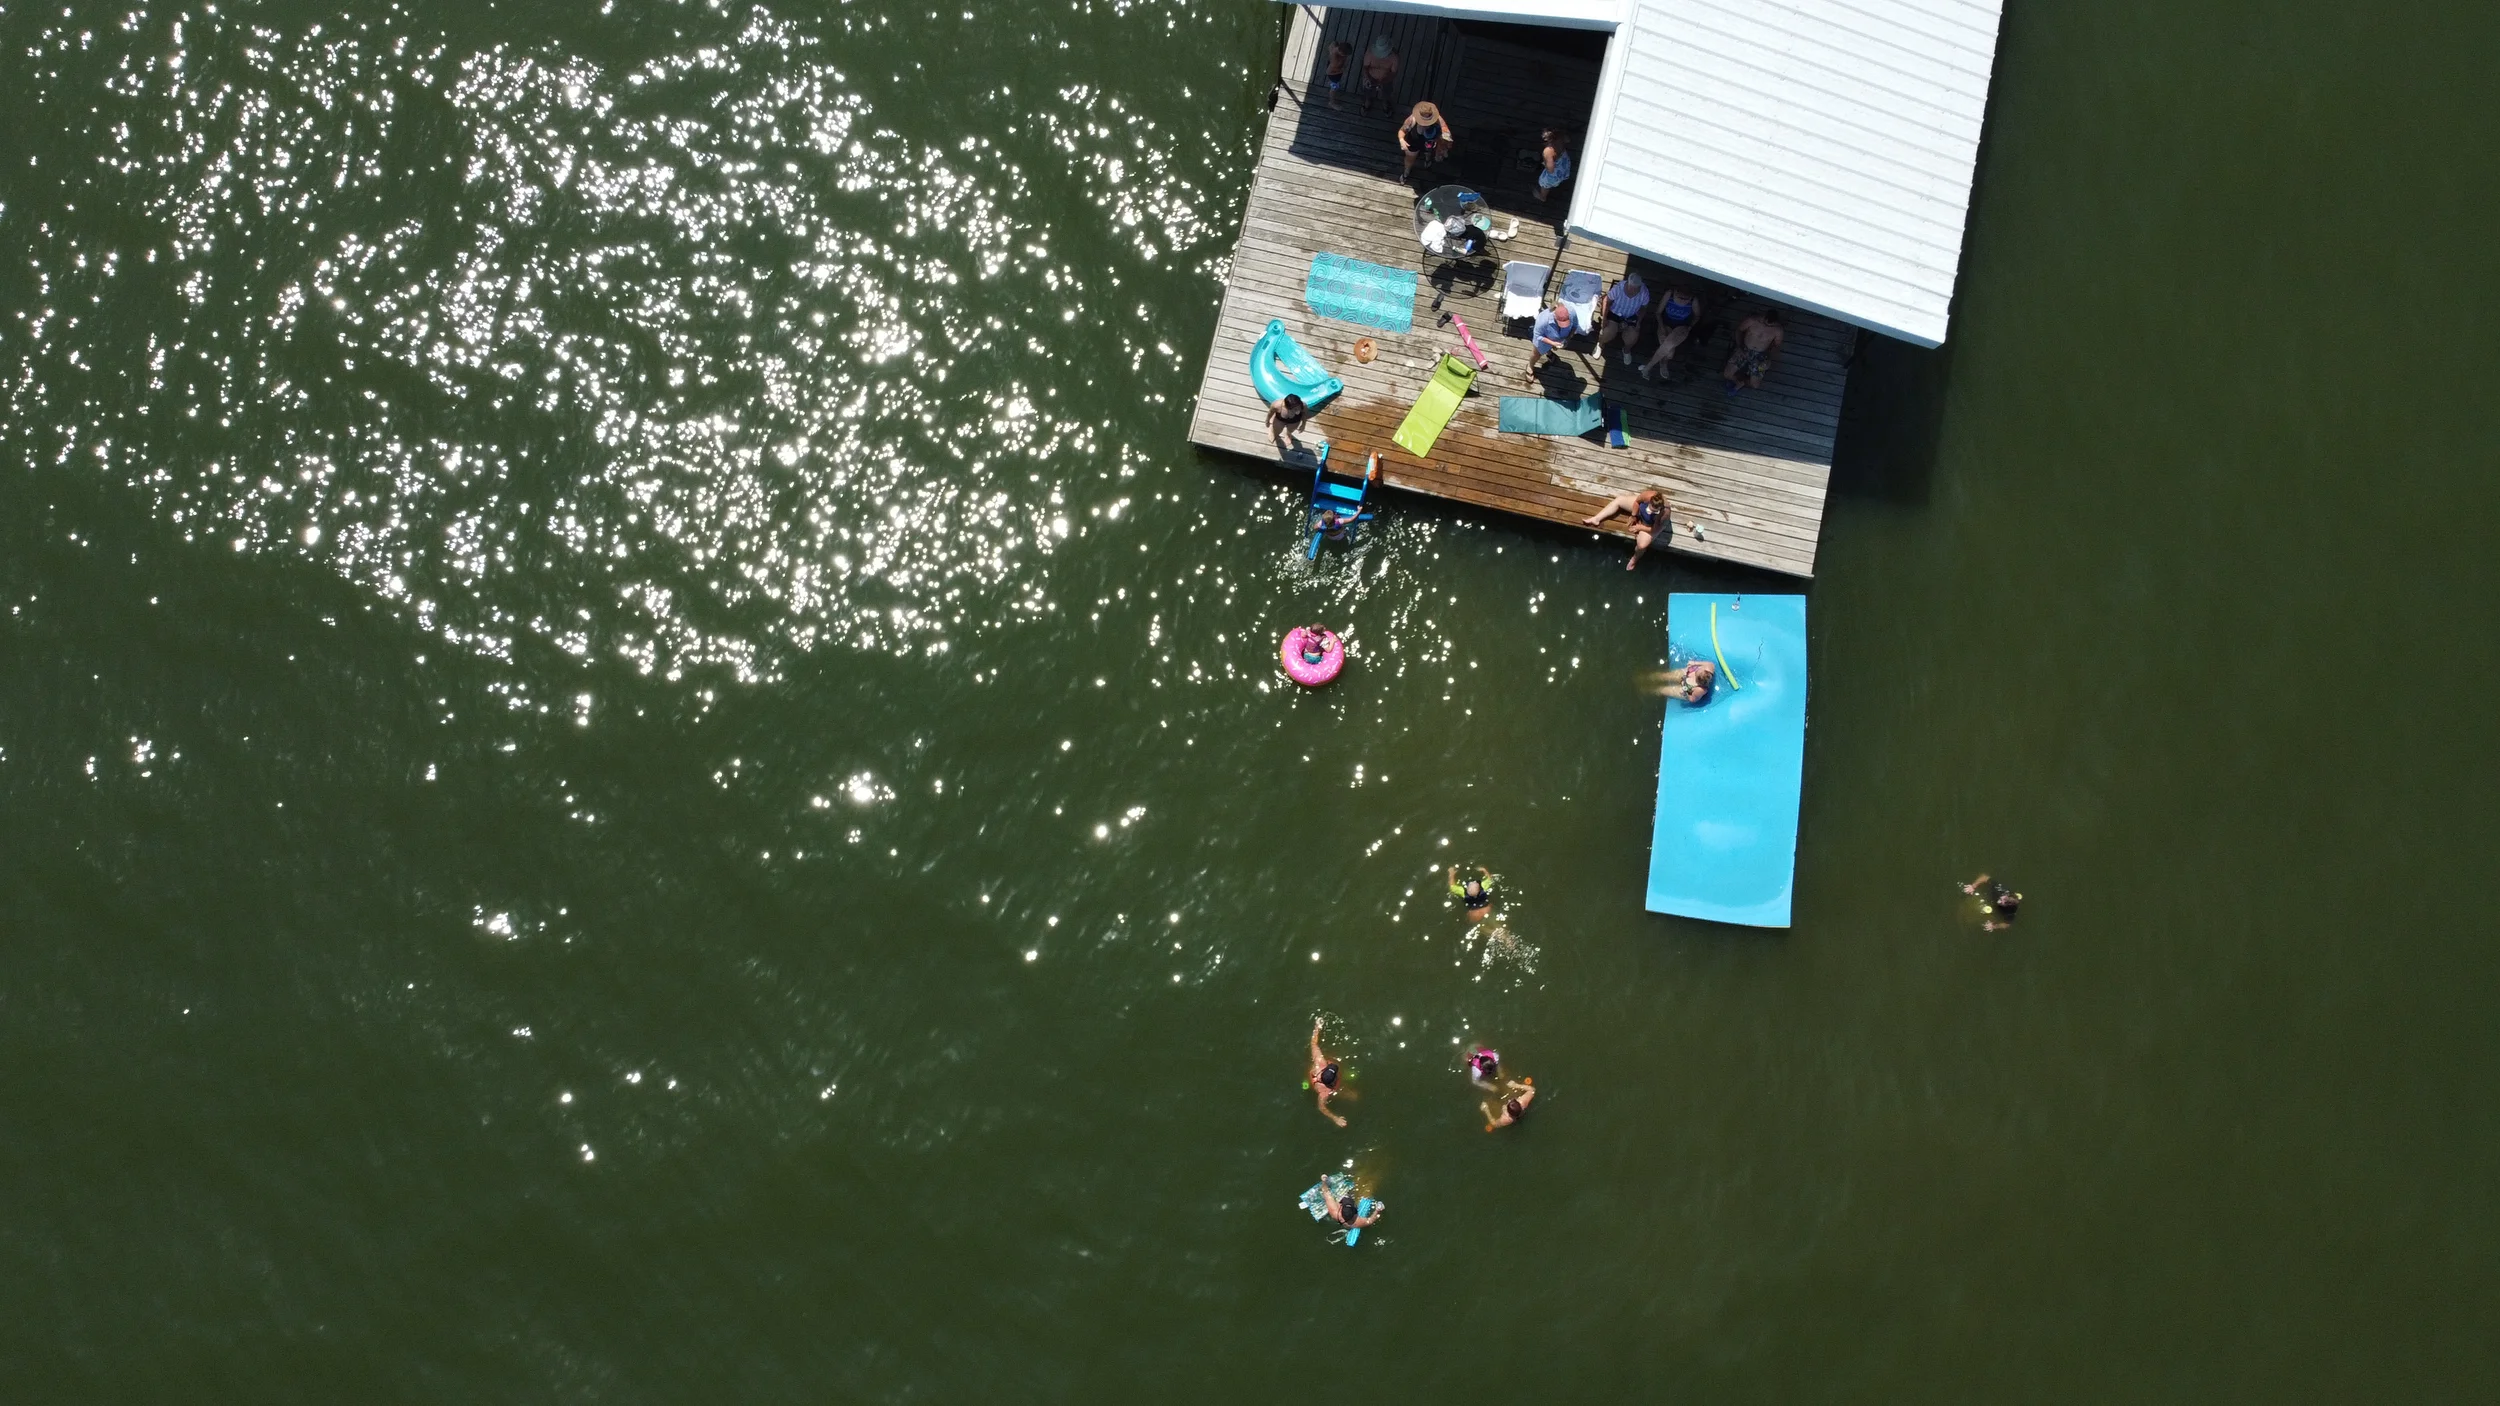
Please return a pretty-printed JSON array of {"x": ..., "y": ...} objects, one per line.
[{"x": 1651, "y": 517}]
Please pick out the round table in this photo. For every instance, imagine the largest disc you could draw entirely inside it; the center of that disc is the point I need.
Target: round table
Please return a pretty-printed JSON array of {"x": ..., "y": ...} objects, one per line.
[{"x": 1463, "y": 216}]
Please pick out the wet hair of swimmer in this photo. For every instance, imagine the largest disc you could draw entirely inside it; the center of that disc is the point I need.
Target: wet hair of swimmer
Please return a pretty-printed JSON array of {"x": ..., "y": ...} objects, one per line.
[
  {"x": 1514, "y": 1108},
  {"x": 2006, "y": 900},
  {"x": 1328, "y": 1075},
  {"x": 1346, "y": 1204}
]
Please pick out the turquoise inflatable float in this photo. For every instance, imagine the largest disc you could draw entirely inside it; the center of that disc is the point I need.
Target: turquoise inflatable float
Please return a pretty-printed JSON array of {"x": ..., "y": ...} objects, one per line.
[{"x": 1279, "y": 367}]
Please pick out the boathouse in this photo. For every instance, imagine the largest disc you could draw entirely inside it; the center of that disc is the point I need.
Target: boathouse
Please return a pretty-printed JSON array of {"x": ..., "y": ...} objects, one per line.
[{"x": 1815, "y": 155}]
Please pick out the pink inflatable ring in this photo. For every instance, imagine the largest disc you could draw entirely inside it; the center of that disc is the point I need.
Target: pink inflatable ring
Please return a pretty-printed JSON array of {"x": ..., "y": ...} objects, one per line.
[{"x": 1303, "y": 671}]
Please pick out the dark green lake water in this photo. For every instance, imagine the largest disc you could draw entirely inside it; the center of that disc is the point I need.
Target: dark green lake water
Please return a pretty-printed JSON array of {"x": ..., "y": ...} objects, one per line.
[{"x": 636, "y": 766}]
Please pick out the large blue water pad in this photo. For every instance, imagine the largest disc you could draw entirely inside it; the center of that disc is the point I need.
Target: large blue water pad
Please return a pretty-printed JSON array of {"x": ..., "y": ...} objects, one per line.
[{"x": 1731, "y": 771}]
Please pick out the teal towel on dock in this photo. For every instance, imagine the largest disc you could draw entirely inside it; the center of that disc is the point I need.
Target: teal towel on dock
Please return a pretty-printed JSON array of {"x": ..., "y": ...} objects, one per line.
[
  {"x": 1367, "y": 295},
  {"x": 1534, "y": 414}
]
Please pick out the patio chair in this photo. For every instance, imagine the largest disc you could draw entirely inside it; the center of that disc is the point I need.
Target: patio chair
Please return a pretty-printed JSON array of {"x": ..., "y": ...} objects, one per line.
[
  {"x": 1580, "y": 291},
  {"x": 1523, "y": 289}
]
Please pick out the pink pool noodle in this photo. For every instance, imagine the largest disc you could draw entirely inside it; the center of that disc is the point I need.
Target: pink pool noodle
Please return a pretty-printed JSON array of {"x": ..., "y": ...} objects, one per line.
[{"x": 1470, "y": 339}]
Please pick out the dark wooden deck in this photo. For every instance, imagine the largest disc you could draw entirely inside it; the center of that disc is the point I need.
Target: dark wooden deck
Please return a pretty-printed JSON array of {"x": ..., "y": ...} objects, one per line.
[{"x": 1748, "y": 470}]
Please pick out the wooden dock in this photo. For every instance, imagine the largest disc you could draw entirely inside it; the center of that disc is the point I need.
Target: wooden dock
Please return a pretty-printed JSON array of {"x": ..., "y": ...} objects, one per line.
[{"x": 1749, "y": 470}]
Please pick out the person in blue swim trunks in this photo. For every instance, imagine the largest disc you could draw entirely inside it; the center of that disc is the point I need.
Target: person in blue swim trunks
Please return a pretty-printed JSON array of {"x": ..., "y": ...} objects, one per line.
[{"x": 1339, "y": 54}]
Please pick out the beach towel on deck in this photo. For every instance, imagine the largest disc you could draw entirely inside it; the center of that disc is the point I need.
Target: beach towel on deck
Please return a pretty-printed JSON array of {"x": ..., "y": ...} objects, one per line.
[
  {"x": 1534, "y": 414},
  {"x": 1423, "y": 425},
  {"x": 1367, "y": 295}
]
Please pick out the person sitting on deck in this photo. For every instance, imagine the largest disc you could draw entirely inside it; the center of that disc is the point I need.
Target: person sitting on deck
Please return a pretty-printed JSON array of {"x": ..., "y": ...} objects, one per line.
[
  {"x": 1516, "y": 1096},
  {"x": 1556, "y": 163},
  {"x": 1380, "y": 73},
  {"x": 1678, "y": 314},
  {"x": 1424, "y": 137},
  {"x": 1619, "y": 316},
  {"x": 1757, "y": 337},
  {"x": 1650, "y": 517},
  {"x": 1324, "y": 1077},
  {"x": 1554, "y": 326},
  {"x": 1997, "y": 903},
  {"x": 1285, "y": 420},
  {"x": 1339, "y": 55},
  {"x": 1692, "y": 683}
]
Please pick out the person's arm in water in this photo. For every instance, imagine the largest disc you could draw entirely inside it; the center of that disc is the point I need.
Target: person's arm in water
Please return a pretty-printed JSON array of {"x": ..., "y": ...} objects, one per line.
[
  {"x": 1318, "y": 1061},
  {"x": 1973, "y": 886},
  {"x": 1359, "y": 1222}
]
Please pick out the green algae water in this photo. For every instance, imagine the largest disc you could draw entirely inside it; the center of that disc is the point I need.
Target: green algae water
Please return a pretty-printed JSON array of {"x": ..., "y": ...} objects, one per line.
[{"x": 636, "y": 766}]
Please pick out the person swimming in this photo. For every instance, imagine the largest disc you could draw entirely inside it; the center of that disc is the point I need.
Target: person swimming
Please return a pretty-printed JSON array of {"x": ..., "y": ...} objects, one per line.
[
  {"x": 1516, "y": 1096},
  {"x": 1325, "y": 1075},
  {"x": 1314, "y": 643},
  {"x": 1343, "y": 1210},
  {"x": 1692, "y": 683},
  {"x": 1476, "y": 893},
  {"x": 1998, "y": 905},
  {"x": 1484, "y": 1066}
]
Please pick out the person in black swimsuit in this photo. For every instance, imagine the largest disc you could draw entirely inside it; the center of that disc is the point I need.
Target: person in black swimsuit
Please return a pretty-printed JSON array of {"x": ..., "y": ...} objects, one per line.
[
  {"x": 1424, "y": 137},
  {"x": 1325, "y": 1076},
  {"x": 1651, "y": 519}
]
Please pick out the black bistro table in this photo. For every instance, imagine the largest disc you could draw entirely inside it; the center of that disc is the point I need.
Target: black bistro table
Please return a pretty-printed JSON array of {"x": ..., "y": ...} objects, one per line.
[{"x": 1458, "y": 218}]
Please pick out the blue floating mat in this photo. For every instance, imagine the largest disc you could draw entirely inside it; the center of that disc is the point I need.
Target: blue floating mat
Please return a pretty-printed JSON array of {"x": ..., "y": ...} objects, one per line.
[
  {"x": 1536, "y": 414},
  {"x": 1730, "y": 770},
  {"x": 1367, "y": 295}
]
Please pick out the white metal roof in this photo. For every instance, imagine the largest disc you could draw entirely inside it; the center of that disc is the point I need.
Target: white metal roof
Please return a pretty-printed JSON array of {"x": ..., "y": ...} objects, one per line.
[
  {"x": 1568, "y": 14},
  {"x": 1816, "y": 151}
]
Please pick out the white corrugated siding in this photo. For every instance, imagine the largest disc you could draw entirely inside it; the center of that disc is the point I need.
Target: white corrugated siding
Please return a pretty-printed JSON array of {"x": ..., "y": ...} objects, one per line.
[{"x": 1816, "y": 151}]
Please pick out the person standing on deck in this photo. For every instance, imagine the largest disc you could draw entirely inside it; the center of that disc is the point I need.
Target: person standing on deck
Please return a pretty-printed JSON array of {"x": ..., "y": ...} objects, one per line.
[
  {"x": 1557, "y": 164},
  {"x": 1340, "y": 54},
  {"x": 1380, "y": 74},
  {"x": 1757, "y": 337},
  {"x": 1554, "y": 326},
  {"x": 1424, "y": 137},
  {"x": 1619, "y": 317},
  {"x": 1678, "y": 314}
]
